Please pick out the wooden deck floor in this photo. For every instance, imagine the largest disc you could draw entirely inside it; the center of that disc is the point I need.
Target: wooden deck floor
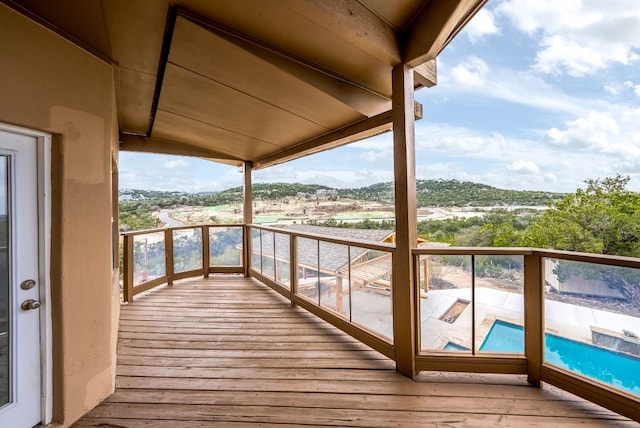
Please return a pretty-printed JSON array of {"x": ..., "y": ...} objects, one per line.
[{"x": 230, "y": 352}]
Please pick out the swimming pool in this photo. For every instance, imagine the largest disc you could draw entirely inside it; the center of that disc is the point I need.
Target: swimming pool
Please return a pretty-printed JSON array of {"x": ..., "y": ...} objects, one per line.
[{"x": 613, "y": 368}]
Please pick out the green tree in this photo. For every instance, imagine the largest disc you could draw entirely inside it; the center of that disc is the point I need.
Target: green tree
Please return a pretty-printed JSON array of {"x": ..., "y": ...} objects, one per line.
[{"x": 603, "y": 218}]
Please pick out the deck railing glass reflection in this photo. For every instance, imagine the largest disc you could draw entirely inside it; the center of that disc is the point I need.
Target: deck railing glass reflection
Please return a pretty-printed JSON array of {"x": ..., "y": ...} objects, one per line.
[{"x": 349, "y": 281}]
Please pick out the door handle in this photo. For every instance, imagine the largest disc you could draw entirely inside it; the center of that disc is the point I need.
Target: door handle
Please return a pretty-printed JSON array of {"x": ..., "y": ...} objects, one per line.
[{"x": 30, "y": 304}]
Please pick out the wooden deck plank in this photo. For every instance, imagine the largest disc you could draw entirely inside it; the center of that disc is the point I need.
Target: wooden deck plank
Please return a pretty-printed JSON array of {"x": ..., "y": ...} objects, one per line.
[
  {"x": 230, "y": 352},
  {"x": 332, "y": 417},
  {"x": 261, "y": 362},
  {"x": 235, "y": 345},
  {"x": 432, "y": 403}
]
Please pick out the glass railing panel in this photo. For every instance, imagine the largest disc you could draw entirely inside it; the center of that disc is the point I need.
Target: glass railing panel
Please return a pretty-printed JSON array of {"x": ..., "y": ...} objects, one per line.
[
  {"x": 334, "y": 271},
  {"x": 148, "y": 257},
  {"x": 592, "y": 321},
  {"x": 308, "y": 271},
  {"x": 283, "y": 259},
  {"x": 225, "y": 246},
  {"x": 268, "y": 254},
  {"x": 187, "y": 250},
  {"x": 370, "y": 284},
  {"x": 446, "y": 310},
  {"x": 256, "y": 249},
  {"x": 499, "y": 303}
]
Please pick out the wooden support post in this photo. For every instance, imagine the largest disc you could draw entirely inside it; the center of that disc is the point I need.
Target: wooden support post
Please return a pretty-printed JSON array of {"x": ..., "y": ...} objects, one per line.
[
  {"x": 127, "y": 266},
  {"x": 534, "y": 317},
  {"x": 403, "y": 287},
  {"x": 168, "y": 255},
  {"x": 206, "y": 251},
  {"x": 247, "y": 213}
]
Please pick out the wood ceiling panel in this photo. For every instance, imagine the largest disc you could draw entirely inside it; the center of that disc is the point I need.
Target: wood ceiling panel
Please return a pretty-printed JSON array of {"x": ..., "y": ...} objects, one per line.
[
  {"x": 135, "y": 98},
  {"x": 199, "y": 50},
  {"x": 173, "y": 127},
  {"x": 191, "y": 95},
  {"x": 289, "y": 27}
]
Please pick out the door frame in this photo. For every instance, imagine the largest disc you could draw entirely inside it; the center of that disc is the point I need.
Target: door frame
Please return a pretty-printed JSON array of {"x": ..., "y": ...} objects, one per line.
[{"x": 43, "y": 171}]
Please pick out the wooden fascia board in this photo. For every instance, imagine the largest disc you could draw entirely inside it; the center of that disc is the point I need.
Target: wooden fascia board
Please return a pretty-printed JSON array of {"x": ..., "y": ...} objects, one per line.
[
  {"x": 364, "y": 100},
  {"x": 142, "y": 144},
  {"x": 426, "y": 74},
  {"x": 356, "y": 131},
  {"x": 435, "y": 27}
]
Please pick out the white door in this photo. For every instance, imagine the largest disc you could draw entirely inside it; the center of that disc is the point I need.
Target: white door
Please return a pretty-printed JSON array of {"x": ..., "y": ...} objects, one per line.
[{"x": 20, "y": 367}]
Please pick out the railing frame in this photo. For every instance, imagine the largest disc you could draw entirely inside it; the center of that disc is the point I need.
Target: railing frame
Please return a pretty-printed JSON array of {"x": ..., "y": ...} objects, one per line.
[
  {"x": 368, "y": 337},
  {"x": 530, "y": 363},
  {"x": 130, "y": 289}
]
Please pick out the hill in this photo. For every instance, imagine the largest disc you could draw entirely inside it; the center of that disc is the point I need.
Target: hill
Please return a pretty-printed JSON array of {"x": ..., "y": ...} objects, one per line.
[
  {"x": 439, "y": 193},
  {"x": 139, "y": 208},
  {"x": 448, "y": 193}
]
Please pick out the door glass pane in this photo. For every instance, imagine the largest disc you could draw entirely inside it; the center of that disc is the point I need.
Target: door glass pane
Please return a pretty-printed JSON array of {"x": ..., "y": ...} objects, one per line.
[{"x": 4, "y": 282}]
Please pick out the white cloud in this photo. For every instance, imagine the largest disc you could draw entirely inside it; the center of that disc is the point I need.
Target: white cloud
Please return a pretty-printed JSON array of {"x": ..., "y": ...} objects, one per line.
[
  {"x": 176, "y": 164},
  {"x": 372, "y": 155},
  {"x": 471, "y": 73},
  {"x": 332, "y": 173},
  {"x": 482, "y": 25},
  {"x": 593, "y": 146},
  {"x": 522, "y": 166},
  {"x": 594, "y": 131},
  {"x": 163, "y": 172},
  {"x": 609, "y": 140},
  {"x": 578, "y": 37},
  {"x": 617, "y": 88},
  {"x": 474, "y": 76},
  {"x": 636, "y": 89},
  {"x": 559, "y": 52},
  {"x": 457, "y": 140}
]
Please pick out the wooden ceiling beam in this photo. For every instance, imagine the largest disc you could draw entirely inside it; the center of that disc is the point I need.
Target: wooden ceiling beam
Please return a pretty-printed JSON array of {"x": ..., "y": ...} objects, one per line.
[
  {"x": 434, "y": 27},
  {"x": 356, "y": 131},
  {"x": 142, "y": 144}
]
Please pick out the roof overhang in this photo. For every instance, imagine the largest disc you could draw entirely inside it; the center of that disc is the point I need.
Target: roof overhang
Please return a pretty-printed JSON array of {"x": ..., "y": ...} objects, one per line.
[{"x": 263, "y": 81}]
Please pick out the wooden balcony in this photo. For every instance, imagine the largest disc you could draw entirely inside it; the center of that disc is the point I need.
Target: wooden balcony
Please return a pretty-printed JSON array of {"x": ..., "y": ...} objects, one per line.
[{"x": 230, "y": 351}]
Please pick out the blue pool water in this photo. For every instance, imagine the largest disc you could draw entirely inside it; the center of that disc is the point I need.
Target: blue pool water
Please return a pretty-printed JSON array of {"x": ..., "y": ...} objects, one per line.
[{"x": 613, "y": 368}]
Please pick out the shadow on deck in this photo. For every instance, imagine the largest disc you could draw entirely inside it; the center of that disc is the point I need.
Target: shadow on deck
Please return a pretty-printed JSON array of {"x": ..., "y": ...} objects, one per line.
[{"x": 228, "y": 351}]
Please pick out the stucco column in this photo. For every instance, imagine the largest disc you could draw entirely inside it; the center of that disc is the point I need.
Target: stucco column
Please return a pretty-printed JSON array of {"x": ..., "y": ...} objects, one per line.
[{"x": 403, "y": 287}]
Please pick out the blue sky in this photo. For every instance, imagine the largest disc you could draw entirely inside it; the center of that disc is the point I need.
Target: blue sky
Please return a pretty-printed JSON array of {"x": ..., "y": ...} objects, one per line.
[{"x": 531, "y": 95}]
